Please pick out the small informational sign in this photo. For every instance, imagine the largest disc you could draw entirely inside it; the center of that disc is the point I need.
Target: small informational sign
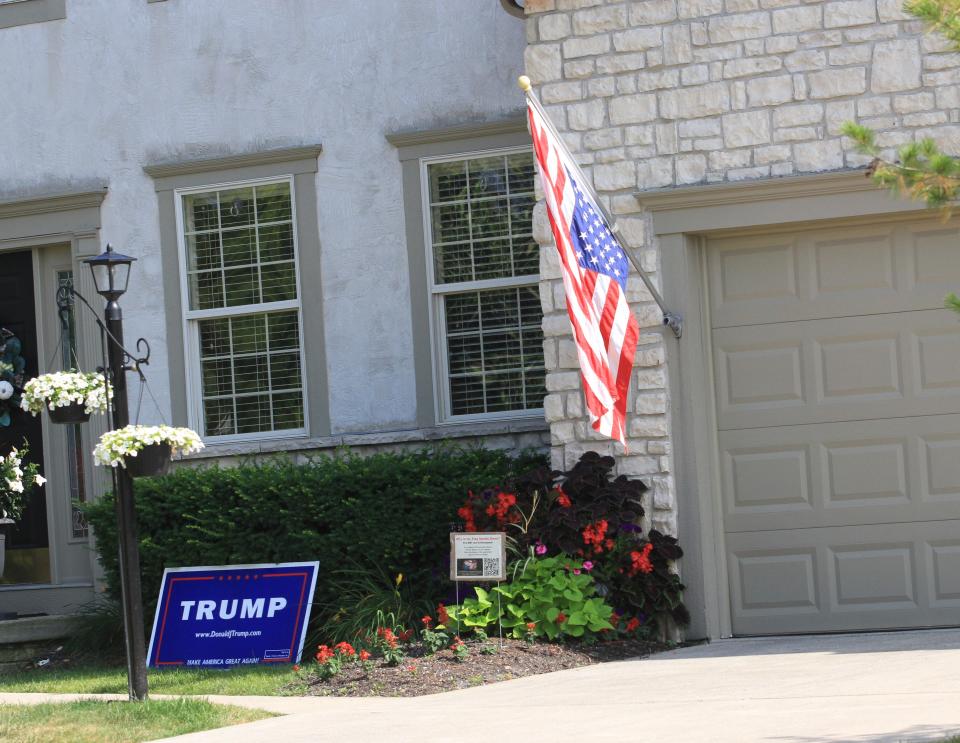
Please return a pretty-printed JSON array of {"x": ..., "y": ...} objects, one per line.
[
  {"x": 216, "y": 617},
  {"x": 478, "y": 556}
]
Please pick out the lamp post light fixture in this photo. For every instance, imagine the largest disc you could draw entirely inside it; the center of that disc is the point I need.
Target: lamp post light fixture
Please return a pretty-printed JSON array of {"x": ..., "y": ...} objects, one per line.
[{"x": 111, "y": 272}]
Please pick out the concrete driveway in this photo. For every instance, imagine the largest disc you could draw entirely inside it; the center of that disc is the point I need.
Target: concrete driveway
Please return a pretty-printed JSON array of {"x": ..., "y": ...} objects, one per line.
[{"x": 896, "y": 686}]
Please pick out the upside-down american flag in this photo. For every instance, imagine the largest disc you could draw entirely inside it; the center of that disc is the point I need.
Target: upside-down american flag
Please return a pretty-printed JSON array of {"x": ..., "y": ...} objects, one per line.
[{"x": 594, "y": 268}]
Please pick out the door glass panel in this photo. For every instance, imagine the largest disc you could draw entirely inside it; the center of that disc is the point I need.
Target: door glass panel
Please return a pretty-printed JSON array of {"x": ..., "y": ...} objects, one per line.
[{"x": 68, "y": 360}]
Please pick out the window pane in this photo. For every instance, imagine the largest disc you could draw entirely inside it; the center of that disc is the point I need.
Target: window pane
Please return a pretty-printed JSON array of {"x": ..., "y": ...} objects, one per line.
[
  {"x": 236, "y": 207},
  {"x": 200, "y": 212},
  {"x": 451, "y": 223},
  {"x": 448, "y": 181},
  {"x": 242, "y": 286},
  {"x": 520, "y": 170},
  {"x": 492, "y": 259},
  {"x": 240, "y": 246},
  {"x": 249, "y": 365},
  {"x": 454, "y": 262},
  {"x": 274, "y": 203},
  {"x": 279, "y": 281},
  {"x": 287, "y": 411},
  {"x": 494, "y": 350},
  {"x": 218, "y": 417},
  {"x": 253, "y": 414},
  {"x": 488, "y": 176},
  {"x": 204, "y": 250},
  {"x": 249, "y": 333},
  {"x": 481, "y": 213},
  {"x": 276, "y": 242},
  {"x": 206, "y": 290}
]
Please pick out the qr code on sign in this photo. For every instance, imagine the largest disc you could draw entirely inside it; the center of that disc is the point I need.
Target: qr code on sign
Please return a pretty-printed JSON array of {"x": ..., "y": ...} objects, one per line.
[{"x": 491, "y": 566}]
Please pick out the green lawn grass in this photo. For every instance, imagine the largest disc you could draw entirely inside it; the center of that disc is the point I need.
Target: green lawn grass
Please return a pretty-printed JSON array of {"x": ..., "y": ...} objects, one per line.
[
  {"x": 118, "y": 722},
  {"x": 94, "y": 679}
]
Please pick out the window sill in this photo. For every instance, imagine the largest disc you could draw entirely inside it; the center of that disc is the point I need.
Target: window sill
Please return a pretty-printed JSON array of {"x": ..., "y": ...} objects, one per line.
[{"x": 373, "y": 438}]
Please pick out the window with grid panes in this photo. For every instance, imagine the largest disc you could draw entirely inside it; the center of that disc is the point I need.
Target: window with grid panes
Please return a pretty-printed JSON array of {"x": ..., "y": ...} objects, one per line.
[
  {"x": 244, "y": 308},
  {"x": 484, "y": 284}
]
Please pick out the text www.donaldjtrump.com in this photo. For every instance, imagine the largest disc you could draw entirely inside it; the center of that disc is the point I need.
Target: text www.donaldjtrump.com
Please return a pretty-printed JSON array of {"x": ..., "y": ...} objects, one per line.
[{"x": 229, "y": 633}]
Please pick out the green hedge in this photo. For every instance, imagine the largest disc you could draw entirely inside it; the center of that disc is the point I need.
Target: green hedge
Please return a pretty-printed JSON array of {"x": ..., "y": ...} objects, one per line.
[{"x": 386, "y": 511}]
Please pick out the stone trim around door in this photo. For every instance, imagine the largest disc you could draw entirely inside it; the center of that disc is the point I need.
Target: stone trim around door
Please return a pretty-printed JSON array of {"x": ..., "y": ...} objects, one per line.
[{"x": 681, "y": 217}]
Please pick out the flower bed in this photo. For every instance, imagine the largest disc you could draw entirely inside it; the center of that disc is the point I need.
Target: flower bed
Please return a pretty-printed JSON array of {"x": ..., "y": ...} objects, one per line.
[
  {"x": 592, "y": 524},
  {"x": 418, "y": 672}
]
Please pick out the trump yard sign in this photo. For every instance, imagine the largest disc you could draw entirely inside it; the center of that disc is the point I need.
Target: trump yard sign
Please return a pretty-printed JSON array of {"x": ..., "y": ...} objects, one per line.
[{"x": 214, "y": 617}]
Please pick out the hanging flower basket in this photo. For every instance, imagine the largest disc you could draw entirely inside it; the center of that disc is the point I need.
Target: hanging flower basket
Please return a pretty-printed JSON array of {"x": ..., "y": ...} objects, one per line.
[
  {"x": 145, "y": 451},
  {"x": 75, "y": 412},
  {"x": 70, "y": 396},
  {"x": 152, "y": 460}
]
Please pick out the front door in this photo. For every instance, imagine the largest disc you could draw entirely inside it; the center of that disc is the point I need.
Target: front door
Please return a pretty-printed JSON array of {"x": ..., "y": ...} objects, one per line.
[{"x": 28, "y": 550}]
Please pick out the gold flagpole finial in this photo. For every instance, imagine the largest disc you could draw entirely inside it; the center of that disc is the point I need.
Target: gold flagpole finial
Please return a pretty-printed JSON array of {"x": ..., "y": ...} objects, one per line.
[{"x": 524, "y": 82}]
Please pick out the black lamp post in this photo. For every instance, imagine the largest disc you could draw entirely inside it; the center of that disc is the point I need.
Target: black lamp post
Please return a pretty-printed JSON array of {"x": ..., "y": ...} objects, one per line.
[{"x": 111, "y": 272}]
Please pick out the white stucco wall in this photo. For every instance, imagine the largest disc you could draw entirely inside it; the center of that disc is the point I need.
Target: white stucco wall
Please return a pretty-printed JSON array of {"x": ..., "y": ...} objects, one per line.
[{"x": 89, "y": 100}]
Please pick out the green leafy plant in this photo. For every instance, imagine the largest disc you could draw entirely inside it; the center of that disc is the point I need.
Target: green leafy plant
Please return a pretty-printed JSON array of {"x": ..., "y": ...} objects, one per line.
[
  {"x": 433, "y": 639},
  {"x": 554, "y": 594},
  {"x": 460, "y": 650},
  {"x": 368, "y": 599},
  {"x": 387, "y": 643}
]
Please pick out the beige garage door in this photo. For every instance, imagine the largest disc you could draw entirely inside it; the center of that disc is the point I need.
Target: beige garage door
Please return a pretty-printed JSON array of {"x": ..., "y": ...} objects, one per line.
[{"x": 838, "y": 408}]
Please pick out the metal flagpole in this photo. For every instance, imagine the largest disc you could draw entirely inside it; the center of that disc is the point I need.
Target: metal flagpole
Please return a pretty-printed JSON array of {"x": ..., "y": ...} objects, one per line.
[{"x": 671, "y": 319}]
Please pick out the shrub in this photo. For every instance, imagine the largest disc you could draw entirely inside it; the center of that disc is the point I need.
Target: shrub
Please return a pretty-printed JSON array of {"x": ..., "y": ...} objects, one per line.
[{"x": 391, "y": 511}]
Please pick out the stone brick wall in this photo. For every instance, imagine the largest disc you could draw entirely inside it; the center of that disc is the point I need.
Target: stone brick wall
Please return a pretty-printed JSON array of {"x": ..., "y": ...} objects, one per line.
[{"x": 659, "y": 93}]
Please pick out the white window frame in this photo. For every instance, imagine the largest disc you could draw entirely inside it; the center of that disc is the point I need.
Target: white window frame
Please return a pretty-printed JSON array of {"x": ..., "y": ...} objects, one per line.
[
  {"x": 191, "y": 334},
  {"x": 438, "y": 345}
]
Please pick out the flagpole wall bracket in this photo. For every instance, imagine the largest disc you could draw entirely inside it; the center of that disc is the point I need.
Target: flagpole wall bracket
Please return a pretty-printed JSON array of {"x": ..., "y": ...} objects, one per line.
[{"x": 673, "y": 321}]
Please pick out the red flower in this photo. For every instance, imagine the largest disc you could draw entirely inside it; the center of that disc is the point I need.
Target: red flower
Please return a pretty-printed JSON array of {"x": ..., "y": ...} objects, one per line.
[
  {"x": 324, "y": 654},
  {"x": 405, "y": 634},
  {"x": 442, "y": 616},
  {"x": 345, "y": 648},
  {"x": 595, "y": 534},
  {"x": 427, "y": 621},
  {"x": 531, "y": 626},
  {"x": 633, "y": 625},
  {"x": 364, "y": 655},
  {"x": 296, "y": 667},
  {"x": 563, "y": 500},
  {"x": 386, "y": 634},
  {"x": 491, "y": 510},
  {"x": 640, "y": 561},
  {"x": 561, "y": 618}
]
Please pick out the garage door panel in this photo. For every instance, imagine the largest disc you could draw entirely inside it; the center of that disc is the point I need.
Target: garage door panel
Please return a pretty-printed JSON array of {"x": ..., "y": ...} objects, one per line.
[
  {"x": 845, "y": 578},
  {"x": 840, "y": 474},
  {"x": 833, "y": 272},
  {"x": 851, "y": 368}
]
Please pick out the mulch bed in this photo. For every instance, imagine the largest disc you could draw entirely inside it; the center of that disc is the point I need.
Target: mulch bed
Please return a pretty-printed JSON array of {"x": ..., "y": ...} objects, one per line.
[{"x": 421, "y": 674}]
